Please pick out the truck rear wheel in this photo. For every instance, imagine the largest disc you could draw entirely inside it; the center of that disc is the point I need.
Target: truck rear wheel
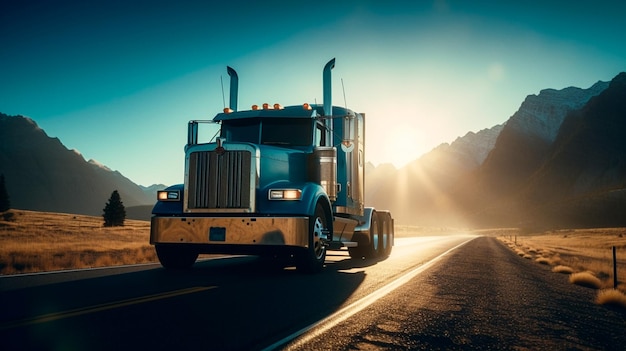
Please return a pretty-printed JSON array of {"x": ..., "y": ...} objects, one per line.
[
  {"x": 175, "y": 257},
  {"x": 371, "y": 248},
  {"x": 312, "y": 259},
  {"x": 386, "y": 233}
]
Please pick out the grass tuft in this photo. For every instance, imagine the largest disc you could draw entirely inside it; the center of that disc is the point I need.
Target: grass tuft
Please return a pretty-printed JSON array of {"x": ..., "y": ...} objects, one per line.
[
  {"x": 611, "y": 297},
  {"x": 585, "y": 279},
  {"x": 563, "y": 269},
  {"x": 542, "y": 260}
]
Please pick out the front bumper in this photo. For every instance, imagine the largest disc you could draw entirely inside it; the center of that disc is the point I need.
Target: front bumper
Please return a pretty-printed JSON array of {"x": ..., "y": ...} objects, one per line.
[{"x": 229, "y": 231}]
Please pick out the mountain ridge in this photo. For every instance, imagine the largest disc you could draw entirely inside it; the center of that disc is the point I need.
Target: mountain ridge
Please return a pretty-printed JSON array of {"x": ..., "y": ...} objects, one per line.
[
  {"x": 587, "y": 161},
  {"x": 510, "y": 188},
  {"x": 42, "y": 174},
  {"x": 474, "y": 182}
]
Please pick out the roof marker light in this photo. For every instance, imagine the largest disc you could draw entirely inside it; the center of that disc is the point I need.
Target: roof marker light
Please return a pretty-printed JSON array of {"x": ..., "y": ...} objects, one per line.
[
  {"x": 255, "y": 107},
  {"x": 277, "y": 107},
  {"x": 266, "y": 106},
  {"x": 306, "y": 106},
  {"x": 227, "y": 110}
]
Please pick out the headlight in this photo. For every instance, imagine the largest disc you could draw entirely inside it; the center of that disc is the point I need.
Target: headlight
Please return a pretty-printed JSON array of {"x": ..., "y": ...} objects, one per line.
[
  {"x": 168, "y": 195},
  {"x": 285, "y": 194}
]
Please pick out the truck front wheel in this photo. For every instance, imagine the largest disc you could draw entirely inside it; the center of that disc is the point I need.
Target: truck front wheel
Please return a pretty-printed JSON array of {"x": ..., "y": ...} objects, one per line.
[
  {"x": 175, "y": 257},
  {"x": 312, "y": 259}
]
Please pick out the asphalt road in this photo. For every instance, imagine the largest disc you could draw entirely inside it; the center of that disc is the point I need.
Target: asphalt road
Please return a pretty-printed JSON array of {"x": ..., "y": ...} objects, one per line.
[
  {"x": 222, "y": 304},
  {"x": 480, "y": 295}
]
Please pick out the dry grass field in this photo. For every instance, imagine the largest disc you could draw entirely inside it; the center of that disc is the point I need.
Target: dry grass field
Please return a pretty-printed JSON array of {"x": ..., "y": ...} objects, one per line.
[
  {"x": 39, "y": 241},
  {"x": 585, "y": 254},
  {"x": 582, "y": 250}
]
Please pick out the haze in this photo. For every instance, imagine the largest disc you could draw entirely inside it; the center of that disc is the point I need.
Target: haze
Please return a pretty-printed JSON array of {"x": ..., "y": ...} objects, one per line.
[{"x": 118, "y": 81}]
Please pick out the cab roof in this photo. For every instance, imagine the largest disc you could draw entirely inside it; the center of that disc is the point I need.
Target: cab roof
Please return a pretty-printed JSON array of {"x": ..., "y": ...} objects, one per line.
[{"x": 298, "y": 111}]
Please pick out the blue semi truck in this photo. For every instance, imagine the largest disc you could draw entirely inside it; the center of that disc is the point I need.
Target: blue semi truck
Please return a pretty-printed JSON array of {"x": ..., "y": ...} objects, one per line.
[{"x": 280, "y": 182}]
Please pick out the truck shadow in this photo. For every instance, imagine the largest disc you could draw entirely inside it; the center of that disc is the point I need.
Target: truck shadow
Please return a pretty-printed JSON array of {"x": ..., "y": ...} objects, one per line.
[
  {"x": 336, "y": 262},
  {"x": 252, "y": 287},
  {"x": 217, "y": 299}
]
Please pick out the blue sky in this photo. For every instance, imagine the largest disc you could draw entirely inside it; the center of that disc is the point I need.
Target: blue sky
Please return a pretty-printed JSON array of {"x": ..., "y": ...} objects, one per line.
[{"x": 119, "y": 80}]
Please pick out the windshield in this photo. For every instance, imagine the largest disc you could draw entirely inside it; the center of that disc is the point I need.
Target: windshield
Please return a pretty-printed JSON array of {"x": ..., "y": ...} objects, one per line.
[
  {"x": 241, "y": 130},
  {"x": 270, "y": 131}
]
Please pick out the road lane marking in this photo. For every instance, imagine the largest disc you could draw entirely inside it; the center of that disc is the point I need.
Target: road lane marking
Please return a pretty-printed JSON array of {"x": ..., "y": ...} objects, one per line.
[
  {"x": 102, "y": 307},
  {"x": 306, "y": 334},
  {"x": 104, "y": 268}
]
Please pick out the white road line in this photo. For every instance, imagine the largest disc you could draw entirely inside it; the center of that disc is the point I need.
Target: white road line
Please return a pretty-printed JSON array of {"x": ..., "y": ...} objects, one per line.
[
  {"x": 60, "y": 271},
  {"x": 90, "y": 269},
  {"x": 306, "y": 334}
]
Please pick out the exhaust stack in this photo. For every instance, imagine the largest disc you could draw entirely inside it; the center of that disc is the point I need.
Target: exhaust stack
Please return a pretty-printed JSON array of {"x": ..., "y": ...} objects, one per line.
[
  {"x": 328, "y": 103},
  {"x": 234, "y": 88},
  {"x": 328, "y": 96}
]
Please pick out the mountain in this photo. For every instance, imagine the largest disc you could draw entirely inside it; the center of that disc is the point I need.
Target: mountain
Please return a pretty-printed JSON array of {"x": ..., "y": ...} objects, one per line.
[
  {"x": 482, "y": 179},
  {"x": 583, "y": 177},
  {"x": 572, "y": 178},
  {"x": 528, "y": 135},
  {"x": 42, "y": 174},
  {"x": 420, "y": 193}
]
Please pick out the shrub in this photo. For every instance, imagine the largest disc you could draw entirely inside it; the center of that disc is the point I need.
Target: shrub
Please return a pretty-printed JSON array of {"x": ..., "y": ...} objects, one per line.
[
  {"x": 563, "y": 269},
  {"x": 5, "y": 203},
  {"x": 8, "y": 216},
  {"x": 585, "y": 279},
  {"x": 542, "y": 260},
  {"x": 612, "y": 297}
]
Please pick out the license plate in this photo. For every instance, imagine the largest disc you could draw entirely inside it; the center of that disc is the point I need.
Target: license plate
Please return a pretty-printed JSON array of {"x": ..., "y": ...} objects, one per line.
[{"x": 217, "y": 234}]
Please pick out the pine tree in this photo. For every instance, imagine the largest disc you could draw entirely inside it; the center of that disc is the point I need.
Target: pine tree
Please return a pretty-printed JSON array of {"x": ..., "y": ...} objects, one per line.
[
  {"x": 114, "y": 211},
  {"x": 5, "y": 204}
]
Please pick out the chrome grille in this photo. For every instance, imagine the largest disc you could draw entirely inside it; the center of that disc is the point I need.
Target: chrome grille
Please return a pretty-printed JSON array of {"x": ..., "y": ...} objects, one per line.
[{"x": 219, "y": 181}]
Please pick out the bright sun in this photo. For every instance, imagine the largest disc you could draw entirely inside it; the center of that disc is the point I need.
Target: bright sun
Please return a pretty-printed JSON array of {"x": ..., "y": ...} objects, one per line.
[{"x": 401, "y": 147}]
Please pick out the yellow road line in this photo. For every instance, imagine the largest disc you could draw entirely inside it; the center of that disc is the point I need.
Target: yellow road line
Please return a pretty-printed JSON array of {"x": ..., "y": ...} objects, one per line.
[{"x": 102, "y": 307}]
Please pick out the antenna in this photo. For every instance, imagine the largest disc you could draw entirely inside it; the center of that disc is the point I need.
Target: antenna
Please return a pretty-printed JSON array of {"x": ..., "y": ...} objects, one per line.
[
  {"x": 223, "y": 98},
  {"x": 344, "y": 94}
]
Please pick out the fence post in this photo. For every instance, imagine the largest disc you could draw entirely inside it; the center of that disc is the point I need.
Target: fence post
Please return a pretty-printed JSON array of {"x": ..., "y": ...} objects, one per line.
[{"x": 614, "y": 269}]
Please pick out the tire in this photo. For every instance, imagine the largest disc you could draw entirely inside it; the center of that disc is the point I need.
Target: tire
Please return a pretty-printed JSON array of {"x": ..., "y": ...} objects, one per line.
[
  {"x": 175, "y": 257},
  {"x": 311, "y": 260},
  {"x": 387, "y": 235},
  {"x": 368, "y": 248}
]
